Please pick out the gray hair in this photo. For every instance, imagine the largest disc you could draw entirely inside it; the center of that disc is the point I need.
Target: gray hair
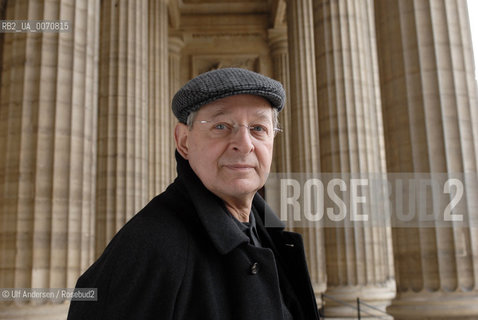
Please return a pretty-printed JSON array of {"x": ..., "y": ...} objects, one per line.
[{"x": 275, "y": 119}]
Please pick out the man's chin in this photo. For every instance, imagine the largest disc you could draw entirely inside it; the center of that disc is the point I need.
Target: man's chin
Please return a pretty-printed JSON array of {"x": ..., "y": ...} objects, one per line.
[{"x": 240, "y": 187}]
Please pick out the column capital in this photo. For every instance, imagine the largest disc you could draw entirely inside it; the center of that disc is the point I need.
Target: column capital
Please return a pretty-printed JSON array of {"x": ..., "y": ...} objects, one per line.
[
  {"x": 175, "y": 44},
  {"x": 277, "y": 39}
]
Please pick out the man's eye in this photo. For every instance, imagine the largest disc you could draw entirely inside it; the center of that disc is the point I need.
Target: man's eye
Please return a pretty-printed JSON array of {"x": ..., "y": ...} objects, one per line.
[
  {"x": 258, "y": 129},
  {"x": 220, "y": 126}
]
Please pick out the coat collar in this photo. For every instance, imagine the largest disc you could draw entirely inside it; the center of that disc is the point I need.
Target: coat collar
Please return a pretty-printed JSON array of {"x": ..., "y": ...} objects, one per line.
[{"x": 212, "y": 213}]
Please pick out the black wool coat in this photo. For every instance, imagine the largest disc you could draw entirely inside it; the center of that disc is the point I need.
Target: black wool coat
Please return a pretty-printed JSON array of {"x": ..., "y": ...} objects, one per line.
[{"x": 183, "y": 258}]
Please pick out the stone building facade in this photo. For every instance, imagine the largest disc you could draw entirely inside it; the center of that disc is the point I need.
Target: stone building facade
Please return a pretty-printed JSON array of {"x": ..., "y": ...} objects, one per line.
[{"x": 382, "y": 86}]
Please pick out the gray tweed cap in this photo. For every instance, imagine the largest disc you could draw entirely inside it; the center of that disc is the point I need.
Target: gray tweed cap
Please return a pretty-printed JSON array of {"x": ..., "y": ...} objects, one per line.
[{"x": 221, "y": 83}]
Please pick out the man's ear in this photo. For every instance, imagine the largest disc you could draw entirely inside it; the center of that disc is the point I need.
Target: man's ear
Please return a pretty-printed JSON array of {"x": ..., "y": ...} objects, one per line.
[{"x": 181, "y": 133}]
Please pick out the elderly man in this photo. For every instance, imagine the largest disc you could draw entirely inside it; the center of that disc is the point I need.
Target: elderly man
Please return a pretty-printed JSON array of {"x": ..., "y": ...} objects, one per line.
[{"x": 202, "y": 249}]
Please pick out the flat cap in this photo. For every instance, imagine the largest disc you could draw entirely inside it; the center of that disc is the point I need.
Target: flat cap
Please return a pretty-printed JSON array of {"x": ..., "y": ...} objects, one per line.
[{"x": 221, "y": 83}]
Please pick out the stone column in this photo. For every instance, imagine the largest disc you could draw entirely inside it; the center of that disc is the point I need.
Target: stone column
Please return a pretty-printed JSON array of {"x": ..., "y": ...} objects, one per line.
[
  {"x": 281, "y": 164},
  {"x": 358, "y": 254},
  {"x": 160, "y": 135},
  {"x": 280, "y": 59},
  {"x": 48, "y": 115},
  {"x": 304, "y": 123},
  {"x": 175, "y": 45},
  {"x": 122, "y": 185},
  {"x": 431, "y": 125}
]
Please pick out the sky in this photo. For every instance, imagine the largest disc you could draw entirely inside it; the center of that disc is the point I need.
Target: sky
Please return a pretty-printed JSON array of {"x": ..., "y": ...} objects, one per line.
[{"x": 473, "y": 13}]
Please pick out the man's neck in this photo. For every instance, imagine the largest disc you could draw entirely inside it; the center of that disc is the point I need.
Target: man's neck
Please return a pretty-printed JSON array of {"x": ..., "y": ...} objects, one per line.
[{"x": 239, "y": 211}]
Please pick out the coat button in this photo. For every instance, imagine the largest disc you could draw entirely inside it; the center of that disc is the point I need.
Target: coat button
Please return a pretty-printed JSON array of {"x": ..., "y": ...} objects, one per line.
[{"x": 255, "y": 268}]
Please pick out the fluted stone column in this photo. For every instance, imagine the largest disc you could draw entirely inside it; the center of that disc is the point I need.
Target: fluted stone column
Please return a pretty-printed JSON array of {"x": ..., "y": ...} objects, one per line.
[
  {"x": 304, "y": 123},
  {"x": 160, "y": 135},
  {"x": 430, "y": 116},
  {"x": 280, "y": 59},
  {"x": 281, "y": 164},
  {"x": 358, "y": 254},
  {"x": 48, "y": 115},
  {"x": 175, "y": 46},
  {"x": 122, "y": 185}
]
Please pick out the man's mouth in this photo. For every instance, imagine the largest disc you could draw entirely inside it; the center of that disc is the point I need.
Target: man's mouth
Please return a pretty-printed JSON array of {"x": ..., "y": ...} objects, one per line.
[{"x": 239, "y": 167}]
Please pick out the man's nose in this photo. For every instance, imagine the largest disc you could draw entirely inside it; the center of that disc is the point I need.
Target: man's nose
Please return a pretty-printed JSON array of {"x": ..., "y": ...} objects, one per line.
[{"x": 242, "y": 140}]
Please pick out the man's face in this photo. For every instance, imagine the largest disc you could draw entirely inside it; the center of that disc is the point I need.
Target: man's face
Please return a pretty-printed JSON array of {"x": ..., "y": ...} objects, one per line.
[{"x": 229, "y": 145}]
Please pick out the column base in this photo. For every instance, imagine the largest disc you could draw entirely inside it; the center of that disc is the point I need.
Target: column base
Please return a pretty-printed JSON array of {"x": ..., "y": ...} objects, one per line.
[
  {"x": 341, "y": 302},
  {"x": 435, "y": 305},
  {"x": 14, "y": 311},
  {"x": 319, "y": 288}
]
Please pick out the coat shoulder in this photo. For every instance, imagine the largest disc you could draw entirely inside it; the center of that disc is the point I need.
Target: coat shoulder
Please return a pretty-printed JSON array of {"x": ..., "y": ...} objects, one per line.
[
  {"x": 150, "y": 255},
  {"x": 162, "y": 225}
]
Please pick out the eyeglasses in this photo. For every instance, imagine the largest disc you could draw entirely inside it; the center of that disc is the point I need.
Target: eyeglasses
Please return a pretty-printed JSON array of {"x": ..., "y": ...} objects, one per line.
[{"x": 222, "y": 129}]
